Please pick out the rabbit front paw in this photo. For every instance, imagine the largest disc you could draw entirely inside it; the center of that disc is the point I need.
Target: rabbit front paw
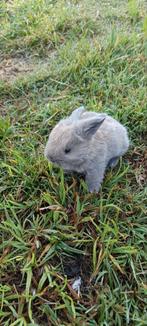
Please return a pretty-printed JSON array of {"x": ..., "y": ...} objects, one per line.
[
  {"x": 93, "y": 188},
  {"x": 93, "y": 181}
]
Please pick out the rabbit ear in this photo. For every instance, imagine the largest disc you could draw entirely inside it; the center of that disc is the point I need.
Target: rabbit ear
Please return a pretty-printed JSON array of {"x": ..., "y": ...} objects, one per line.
[
  {"x": 87, "y": 128},
  {"x": 77, "y": 113}
]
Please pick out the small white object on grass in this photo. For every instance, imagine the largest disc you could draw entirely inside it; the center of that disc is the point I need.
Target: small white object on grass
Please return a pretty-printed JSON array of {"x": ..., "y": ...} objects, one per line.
[{"x": 76, "y": 285}]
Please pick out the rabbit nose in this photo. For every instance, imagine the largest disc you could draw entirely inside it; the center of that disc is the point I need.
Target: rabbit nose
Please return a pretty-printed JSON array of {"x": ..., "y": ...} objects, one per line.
[{"x": 51, "y": 158}]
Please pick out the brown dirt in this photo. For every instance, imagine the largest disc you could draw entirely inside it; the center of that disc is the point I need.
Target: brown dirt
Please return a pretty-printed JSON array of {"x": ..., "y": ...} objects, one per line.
[
  {"x": 12, "y": 67},
  {"x": 16, "y": 67}
]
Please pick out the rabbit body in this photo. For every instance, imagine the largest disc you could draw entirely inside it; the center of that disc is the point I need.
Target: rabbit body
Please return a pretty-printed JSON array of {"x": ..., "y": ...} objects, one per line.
[{"x": 87, "y": 142}]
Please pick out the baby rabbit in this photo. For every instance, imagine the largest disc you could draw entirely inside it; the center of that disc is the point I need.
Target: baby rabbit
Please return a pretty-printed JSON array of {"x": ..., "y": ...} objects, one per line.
[{"x": 87, "y": 142}]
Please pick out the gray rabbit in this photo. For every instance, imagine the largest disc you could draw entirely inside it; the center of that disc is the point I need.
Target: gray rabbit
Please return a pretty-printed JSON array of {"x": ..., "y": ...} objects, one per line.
[{"x": 87, "y": 142}]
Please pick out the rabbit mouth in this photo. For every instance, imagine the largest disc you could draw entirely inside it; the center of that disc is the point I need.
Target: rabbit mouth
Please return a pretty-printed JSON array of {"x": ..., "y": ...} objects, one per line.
[
  {"x": 71, "y": 166},
  {"x": 51, "y": 160},
  {"x": 57, "y": 162},
  {"x": 74, "y": 165}
]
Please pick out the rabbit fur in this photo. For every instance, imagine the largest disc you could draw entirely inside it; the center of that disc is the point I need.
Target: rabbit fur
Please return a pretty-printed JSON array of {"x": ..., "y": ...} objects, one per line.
[{"x": 87, "y": 142}]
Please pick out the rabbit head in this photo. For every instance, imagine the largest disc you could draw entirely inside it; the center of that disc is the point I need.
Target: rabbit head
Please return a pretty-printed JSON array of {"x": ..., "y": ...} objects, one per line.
[{"x": 70, "y": 140}]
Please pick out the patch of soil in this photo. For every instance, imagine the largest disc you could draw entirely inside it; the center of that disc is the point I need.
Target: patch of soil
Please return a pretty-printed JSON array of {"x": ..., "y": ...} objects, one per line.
[{"x": 12, "y": 67}]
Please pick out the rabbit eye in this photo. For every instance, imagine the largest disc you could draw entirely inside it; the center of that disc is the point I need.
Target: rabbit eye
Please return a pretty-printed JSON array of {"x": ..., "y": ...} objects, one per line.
[{"x": 67, "y": 150}]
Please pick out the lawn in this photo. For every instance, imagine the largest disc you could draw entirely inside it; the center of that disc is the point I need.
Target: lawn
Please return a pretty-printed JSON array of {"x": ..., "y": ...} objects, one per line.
[{"x": 54, "y": 57}]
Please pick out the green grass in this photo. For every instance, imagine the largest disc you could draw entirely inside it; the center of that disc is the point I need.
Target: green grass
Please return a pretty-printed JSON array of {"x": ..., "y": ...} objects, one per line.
[{"x": 55, "y": 56}]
